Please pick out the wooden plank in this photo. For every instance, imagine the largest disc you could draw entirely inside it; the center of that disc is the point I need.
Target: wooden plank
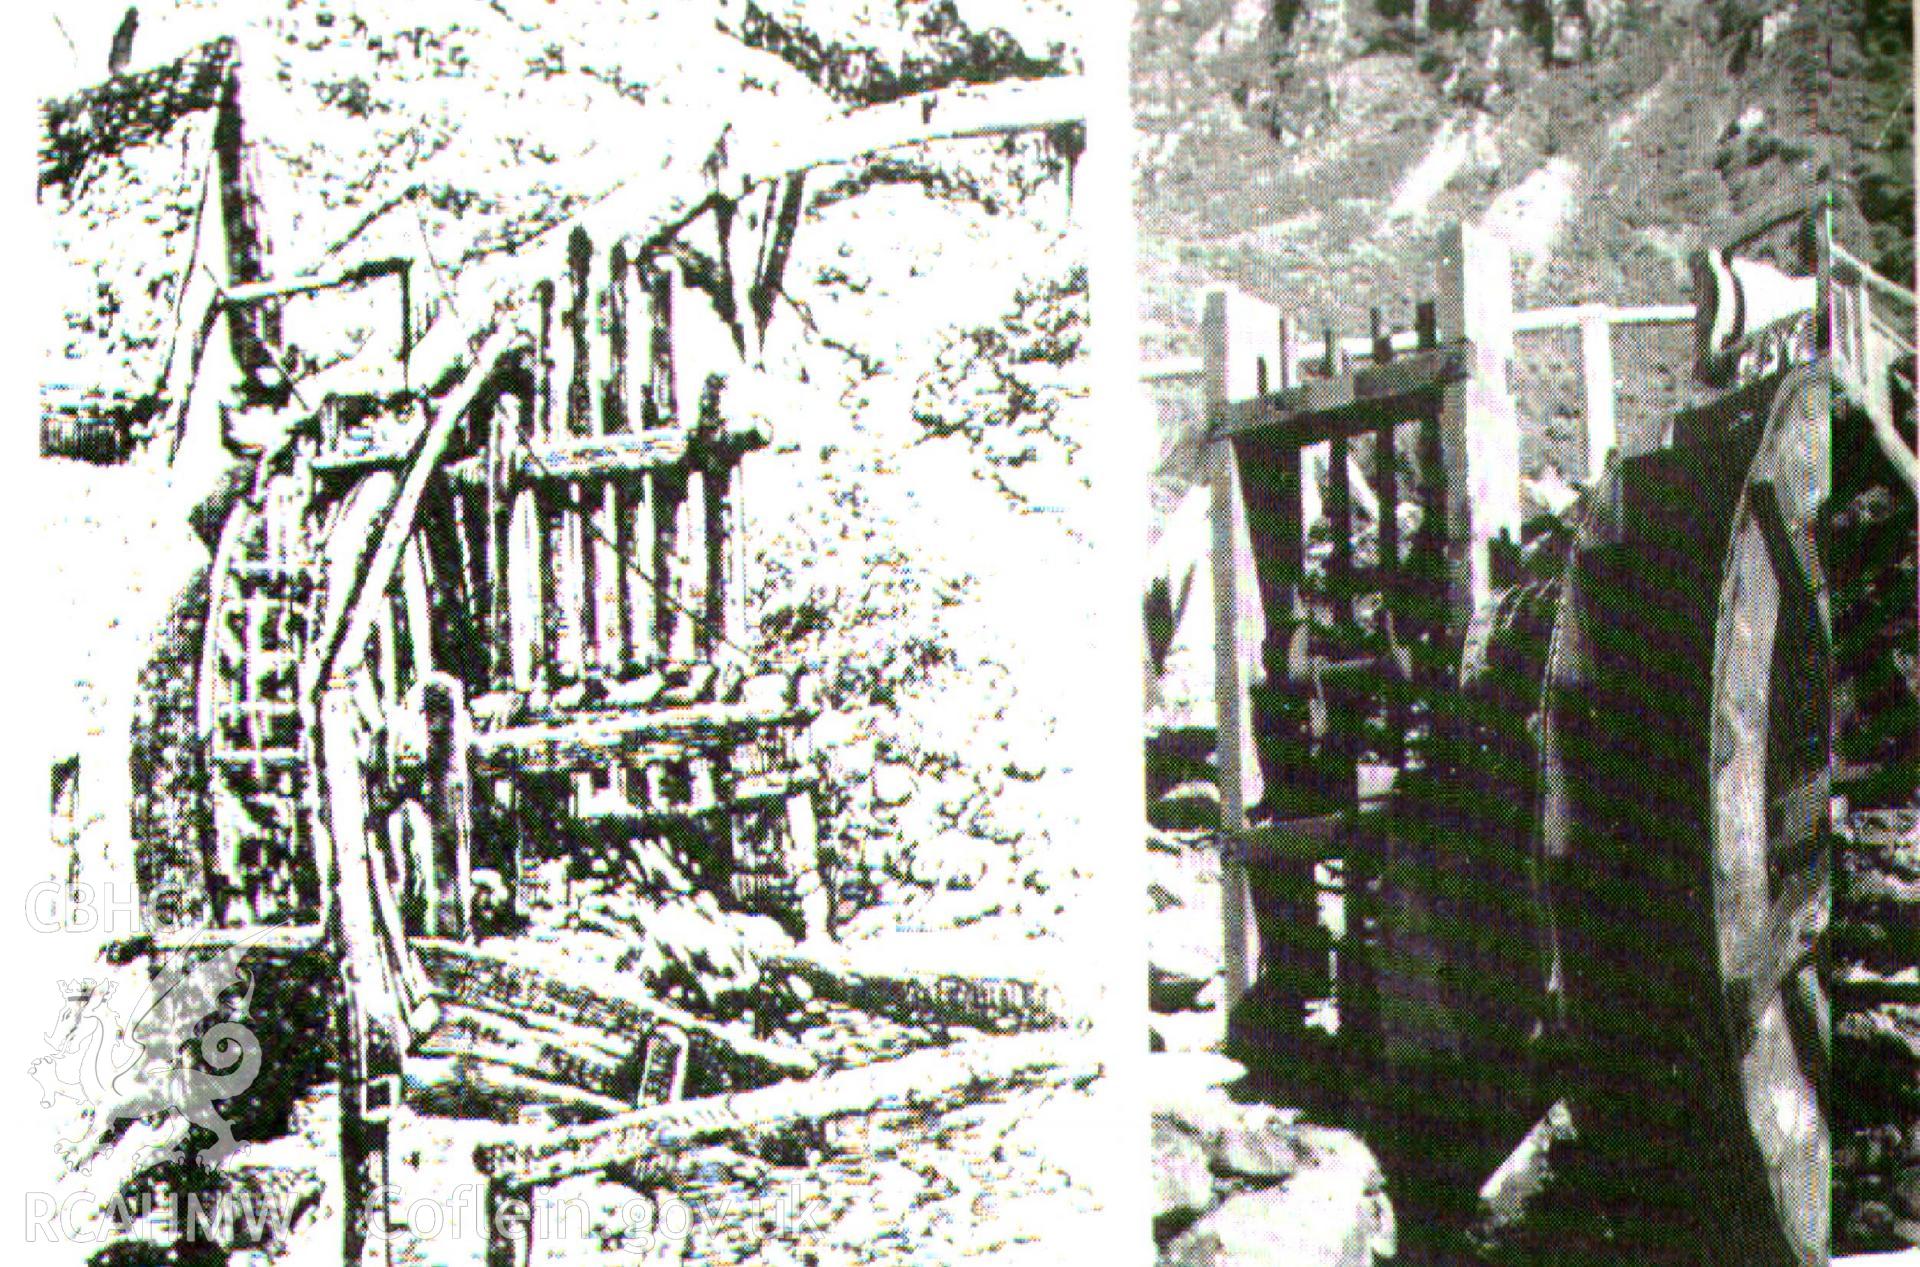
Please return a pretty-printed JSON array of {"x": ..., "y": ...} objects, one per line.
[
  {"x": 504, "y": 1040},
  {"x": 1340, "y": 517},
  {"x": 491, "y": 978},
  {"x": 1236, "y": 758},
  {"x": 606, "y": 581},
  {"x": 947, "y": 114},
  {"x": 1577, "y": 315},
  {"x": 802, "y": 825},
  {"x": 672, "y": 639},
  {"x": 1286, "y": 843},
  {"x": 1361, "y": 398},
  {"x": 449, "y": 743},
  {"x": 1386, "y": 476},
  {"x": 266, "y": 939},
  {"x": 770, "y": 785},
  {"x": 566, "y": 560},
  {"x": 656, "y": 279},
  {"x": 526, "y": 592},
  {"x": 569, "y": 360},
  {"x": 635, "y": 524},
  {"x": 246, "y": 293},
  {"x": 509, "y": 414},
  {"x": 693, "y": 567},
  {"x": 574, "y": 369},
  {"x": 725, "y": 600},
  {"x": 610, "y": 419},
  {"x": 495, "y": 1073},
  {"x": 601, "y": 456},
  {"x": 925, "y": 1082}
]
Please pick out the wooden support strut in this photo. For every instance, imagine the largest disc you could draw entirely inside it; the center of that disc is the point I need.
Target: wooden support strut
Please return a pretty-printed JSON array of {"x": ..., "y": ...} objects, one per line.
[{"x": 1236, "y": 647}]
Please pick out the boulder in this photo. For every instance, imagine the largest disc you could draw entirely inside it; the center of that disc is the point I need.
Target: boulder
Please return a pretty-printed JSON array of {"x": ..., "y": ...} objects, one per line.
[
  {"x": 1171, "y": 989},
  {"x": 1262, "y": 1145},
  {"x": 1333, "y": 1215},
  {"x": 1182, "y": 1184},
  {"x": 1187, "y": 807}
]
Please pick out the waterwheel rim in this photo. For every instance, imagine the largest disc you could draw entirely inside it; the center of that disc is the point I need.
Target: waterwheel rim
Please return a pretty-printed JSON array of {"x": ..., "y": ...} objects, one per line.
[
  {"x": 1771, "y": 871},
  {"x": 381, "y": 677}
]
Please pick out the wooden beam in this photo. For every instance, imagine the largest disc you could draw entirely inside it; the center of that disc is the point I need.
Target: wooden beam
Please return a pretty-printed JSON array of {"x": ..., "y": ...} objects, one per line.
[
  {"x": 525, "y": 592},
  {"x": 246, "y": 293},
  {"x": 270, "y": 939},
  {"x": 921, "y": 997},
  {"x": 606, "y": 456},
  {"x": 1286, "y": 843},
  {"x": 926, "y": 1082},
  {"x": 503, "y": 1040},
  {"x": 1340, "y": 516},
  {"x": 949, "y": 114},
  {"x": 555, "y": 747},
  {"x": 1360, "y": 399},
  {"x": 1231, "y": 653},
  {"x": 1572, "y": 316},
  {"x": 494, "y": 1075}
]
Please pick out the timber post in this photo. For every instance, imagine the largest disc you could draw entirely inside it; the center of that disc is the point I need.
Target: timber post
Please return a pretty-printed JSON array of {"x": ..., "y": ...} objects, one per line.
[
  {"x": 1235, "y": 737},
  {"x": 1479, "y": 425}
]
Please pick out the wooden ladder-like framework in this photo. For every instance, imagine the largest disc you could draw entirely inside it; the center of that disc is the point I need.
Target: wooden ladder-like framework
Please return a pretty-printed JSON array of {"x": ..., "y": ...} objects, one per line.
[{"x": 1298, "y": 777}]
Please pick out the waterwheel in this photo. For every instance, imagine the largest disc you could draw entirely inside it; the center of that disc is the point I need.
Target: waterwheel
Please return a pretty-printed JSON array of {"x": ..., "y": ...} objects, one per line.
[
  {"x": 1683, "y": 795},
  {"x": 276, "y": 572}
]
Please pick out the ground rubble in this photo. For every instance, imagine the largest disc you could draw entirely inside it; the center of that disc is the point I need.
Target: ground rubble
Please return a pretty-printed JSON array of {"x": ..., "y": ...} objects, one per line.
[{"x": 979, "y": 1173}]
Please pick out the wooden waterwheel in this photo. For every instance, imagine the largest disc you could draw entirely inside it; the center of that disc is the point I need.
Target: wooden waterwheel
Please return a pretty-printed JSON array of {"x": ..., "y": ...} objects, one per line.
[{"x": 1683, "y": 813}]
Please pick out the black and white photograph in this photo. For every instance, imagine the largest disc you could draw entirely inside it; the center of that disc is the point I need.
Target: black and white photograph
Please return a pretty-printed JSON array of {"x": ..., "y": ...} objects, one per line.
[
  {"x": 1529, "y": 604},
  {"x": 560, "y": 581}
]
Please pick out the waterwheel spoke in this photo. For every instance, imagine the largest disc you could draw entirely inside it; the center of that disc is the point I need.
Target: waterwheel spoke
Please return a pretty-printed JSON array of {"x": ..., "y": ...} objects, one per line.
[{"x": 1789, "y": 565}]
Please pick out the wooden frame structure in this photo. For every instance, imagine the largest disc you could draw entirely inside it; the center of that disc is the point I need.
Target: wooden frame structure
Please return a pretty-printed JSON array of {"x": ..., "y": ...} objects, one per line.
[{"x": 1263, "y": 409}]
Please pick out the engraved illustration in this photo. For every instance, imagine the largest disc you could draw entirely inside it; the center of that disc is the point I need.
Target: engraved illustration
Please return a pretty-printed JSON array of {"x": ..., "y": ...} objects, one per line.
[{"x": 544, "y": 502}]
